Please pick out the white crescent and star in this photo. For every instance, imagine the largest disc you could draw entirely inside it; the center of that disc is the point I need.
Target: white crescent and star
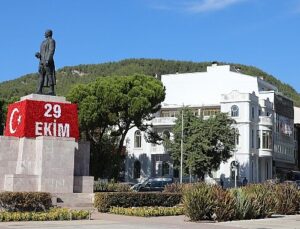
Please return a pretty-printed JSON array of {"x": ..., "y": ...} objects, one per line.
[{"x": 11, "y": 129}]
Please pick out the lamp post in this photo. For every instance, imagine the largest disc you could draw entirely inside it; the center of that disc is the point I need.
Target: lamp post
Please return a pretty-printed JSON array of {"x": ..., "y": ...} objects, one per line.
[{"x": 181, "y": 151}]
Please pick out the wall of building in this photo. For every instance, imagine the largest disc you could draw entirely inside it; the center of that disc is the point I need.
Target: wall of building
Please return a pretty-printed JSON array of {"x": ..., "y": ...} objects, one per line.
[{"x": 223, "y": 88}]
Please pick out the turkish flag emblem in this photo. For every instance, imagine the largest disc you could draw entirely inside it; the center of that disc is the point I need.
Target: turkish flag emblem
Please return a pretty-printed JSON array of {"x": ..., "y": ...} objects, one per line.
[{"x": 15, "y": 120}]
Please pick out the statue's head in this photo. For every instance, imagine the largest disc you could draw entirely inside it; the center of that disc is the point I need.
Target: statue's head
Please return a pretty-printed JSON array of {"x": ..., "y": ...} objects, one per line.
[{"x": 48, "y": 33}]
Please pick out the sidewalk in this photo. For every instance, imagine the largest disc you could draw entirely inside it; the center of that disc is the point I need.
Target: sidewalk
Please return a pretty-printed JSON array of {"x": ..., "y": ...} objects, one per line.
[{"x": 110, "y": 221}]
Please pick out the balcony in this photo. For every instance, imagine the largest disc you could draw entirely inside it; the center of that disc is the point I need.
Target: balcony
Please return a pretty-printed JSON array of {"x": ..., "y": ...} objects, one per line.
[
  {"x": 266, "y": 121},
  {"x": 163, "y": 121},
  {"x": 158, "y": 149},
  {"x": 265, "y": 152}
]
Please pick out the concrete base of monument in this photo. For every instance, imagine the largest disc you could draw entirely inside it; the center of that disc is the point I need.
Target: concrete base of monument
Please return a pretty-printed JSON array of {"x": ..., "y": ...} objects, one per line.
[{"x": 44, "y": 163}]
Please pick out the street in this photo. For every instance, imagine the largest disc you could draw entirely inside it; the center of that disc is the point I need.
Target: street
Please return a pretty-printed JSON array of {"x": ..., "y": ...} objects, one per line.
[{"x": 107, "y": 221}]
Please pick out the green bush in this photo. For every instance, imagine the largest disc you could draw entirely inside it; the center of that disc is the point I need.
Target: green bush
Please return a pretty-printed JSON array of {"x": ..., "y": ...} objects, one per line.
[
  {"x": 243, "y": 205},
  {"x": 25, "y": 201},
  {"x": 287, "y": 199},
  {"x": 177, "y": 187},
  {"x": 206, "y": 202},
  {"x": 224, "y": 204},
  {"x": 254, "y": 201},
  {"x": 100, "y": 186},
  {"x": 147, "y": 211},
  {"x": 105, "y": 200},
  {"x": 51, "y": 215},
  {"x": 202, "y": 202},
  {"x": 198, "y": 202},
  {"x": 262, "y": 199}
]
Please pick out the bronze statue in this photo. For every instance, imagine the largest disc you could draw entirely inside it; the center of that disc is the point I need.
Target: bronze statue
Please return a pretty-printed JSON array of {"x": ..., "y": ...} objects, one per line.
[{"x": 46, "y": 67}]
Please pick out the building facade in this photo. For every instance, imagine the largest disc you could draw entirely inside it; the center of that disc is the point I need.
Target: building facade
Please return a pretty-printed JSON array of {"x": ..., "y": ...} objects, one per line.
[{"x": 264, "y": 121}]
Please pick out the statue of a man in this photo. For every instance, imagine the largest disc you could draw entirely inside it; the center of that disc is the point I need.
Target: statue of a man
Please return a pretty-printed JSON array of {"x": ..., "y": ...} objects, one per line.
[{"x": 46, "y": 67}]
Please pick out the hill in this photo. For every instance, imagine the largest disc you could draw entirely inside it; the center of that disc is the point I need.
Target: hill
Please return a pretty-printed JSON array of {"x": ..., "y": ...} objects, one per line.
[{"x": 68, "y": 76}]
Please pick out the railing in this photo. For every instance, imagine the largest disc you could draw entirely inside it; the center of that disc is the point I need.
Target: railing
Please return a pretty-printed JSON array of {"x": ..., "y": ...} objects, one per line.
[
  {"x": 265, "y": 152},
  {"x": 163, "y": 121},
  {"x": 265, "y": 120}
]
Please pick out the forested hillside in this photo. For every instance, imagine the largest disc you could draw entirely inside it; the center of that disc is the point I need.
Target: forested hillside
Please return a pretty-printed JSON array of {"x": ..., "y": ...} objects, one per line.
[{"x": 68, "y": 76}]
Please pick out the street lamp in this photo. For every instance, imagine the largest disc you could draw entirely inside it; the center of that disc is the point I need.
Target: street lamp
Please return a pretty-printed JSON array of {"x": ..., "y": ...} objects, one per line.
[{"x": 181, "y": 151}]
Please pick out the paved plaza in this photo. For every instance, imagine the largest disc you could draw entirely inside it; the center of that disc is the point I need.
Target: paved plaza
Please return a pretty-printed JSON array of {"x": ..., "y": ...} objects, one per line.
[{"x": 107, "y": 221}]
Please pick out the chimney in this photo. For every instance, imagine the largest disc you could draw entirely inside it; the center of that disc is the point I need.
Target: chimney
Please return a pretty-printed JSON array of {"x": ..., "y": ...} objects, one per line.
[{"x": 214, "y": 64}]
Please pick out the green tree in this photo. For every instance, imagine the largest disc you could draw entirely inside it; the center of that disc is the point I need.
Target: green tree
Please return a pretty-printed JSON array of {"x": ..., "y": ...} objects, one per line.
[
  {"x": 207, "y": 143},
  {"x": 2, "y": 119},
  {"x": 3, "y": 111},
  {"x": 111, "y": 106}
]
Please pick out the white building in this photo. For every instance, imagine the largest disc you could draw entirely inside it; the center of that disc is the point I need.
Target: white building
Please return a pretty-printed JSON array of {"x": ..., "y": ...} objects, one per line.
[{"x": 264, "y": 121}]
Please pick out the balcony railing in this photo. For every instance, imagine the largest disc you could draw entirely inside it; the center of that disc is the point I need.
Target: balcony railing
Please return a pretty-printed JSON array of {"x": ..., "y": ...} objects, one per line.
[
  {"x": 265, "y": 121},
  {"x": 163, "y": 121},
  {"x": 265, "y": 152}
]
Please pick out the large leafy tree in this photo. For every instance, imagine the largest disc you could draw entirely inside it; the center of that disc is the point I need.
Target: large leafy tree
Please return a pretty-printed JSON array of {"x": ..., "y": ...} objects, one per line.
[
  {"x": 206, "y": 143},
  {"x": 110, "y": 106},
  {"x": 3, "y": 111},
  {"x": 2, "y": 116}
]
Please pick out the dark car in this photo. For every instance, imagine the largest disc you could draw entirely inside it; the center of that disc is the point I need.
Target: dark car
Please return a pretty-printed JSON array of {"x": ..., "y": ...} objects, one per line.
[{"x": 152, "y": 185}]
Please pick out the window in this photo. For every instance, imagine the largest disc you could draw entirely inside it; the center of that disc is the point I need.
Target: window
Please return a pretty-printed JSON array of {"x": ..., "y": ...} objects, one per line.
[
  {"x": 136, "y": 170},
  {"x": 252, "y": 113},
  {"x": 234, "y": 111},
  {"x": 258, "y": 139},
  {"x": 237, "y": 137},
  {"x": 252, "y": 171},
  {"x": 166, "y": 134},
  {"x": 168, "y": 113},
  {"x": 165, "y": 168},
  {"x": 210, "y": 111},
  {"x": 266, "y": 139},
  {"x": 252, "y": 138},
  {"x": 137, "y": 139},
  {"x": 267, "y": 170},
  {"x": 259, "y": 112}
]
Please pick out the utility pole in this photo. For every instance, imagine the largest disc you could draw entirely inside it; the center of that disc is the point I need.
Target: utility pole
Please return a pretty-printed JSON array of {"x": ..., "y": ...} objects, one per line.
[{"x": 181, "y": 151}]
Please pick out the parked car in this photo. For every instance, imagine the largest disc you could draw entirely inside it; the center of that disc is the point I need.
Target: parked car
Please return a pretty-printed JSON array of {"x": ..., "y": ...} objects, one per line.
[{"x": 152, "y": 185}]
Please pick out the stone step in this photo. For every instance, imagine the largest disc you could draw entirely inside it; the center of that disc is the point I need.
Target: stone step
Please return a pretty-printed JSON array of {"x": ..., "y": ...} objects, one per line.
[
  {"x": 73, "y": 200},
  {"x": 76, "y": 205}
]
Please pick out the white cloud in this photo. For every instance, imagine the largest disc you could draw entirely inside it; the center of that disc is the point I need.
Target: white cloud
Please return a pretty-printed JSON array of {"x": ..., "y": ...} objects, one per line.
[
  {"x": 210, "y": 5},
  {"x": 194, "y": 6}
]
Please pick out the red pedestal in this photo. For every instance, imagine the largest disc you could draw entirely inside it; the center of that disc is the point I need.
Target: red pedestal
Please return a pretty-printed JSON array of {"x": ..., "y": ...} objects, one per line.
[{"x": 30, "y": 118}]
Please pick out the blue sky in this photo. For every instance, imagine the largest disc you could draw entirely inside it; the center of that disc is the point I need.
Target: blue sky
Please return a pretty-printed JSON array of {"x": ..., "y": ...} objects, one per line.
[{"x": 261, "y": 33}]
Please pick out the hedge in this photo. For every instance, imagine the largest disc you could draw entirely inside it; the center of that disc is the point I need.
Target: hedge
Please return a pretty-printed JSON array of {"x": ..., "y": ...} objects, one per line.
[
  {"x": 100, "y": 186},
  {"x": 51, "y": 215},
  {"x": 105, "y": 200},
  {"x": 147, "y": 211},
  {"x": 25, "y": 201}
]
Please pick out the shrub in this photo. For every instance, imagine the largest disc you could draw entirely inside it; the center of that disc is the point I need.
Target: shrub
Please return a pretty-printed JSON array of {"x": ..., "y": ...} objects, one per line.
[
  {"x": 224, "y": 204},
  {"x": 262, "y": 199},
  {"x": 198, "y": 202},
  {"x": 25, "y": 201},
  {"x": 147, "y": 211},
  {"x": 287, "y": 199},
  {"x": 177, "y": 187},
  {"x": 206, "y": 202},
  {"x": 244, "y": 208},
  {"x": 52, "y": 214},
  {"x": 105, "y": 200},
  {"x": 254, "y": 201},
  {"x": 100, "y": 186}
]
